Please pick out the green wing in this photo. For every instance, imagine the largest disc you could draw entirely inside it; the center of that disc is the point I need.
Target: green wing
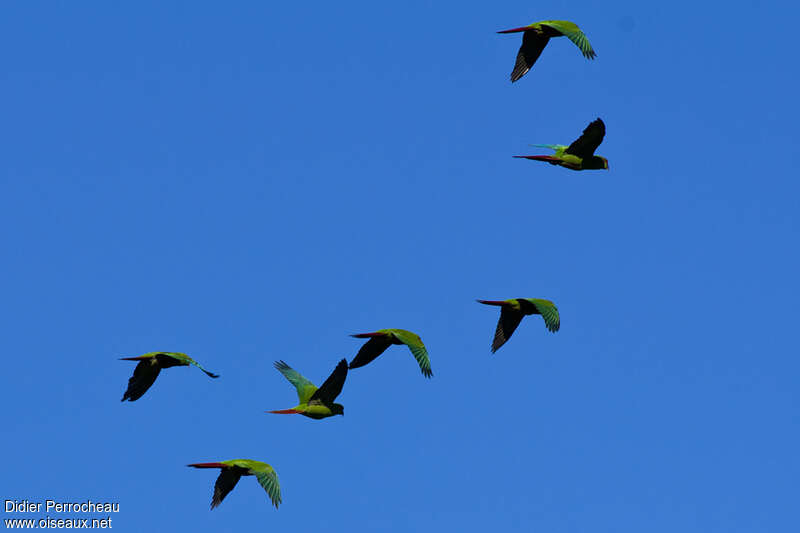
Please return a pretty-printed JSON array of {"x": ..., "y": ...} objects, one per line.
[
  {"x": 189, "y": 361},
  {"x": 417, "y": 348},
  {"x": 268, "y": 479},
  {"x": 574, "y": 34},
  {"x": 265, "y": 475},
  {"x": 554, "y": 147},
  {"x": 549, "y": 312},
  {"x": 304, "y": 387},
  {"x": 559, "y": 149}
]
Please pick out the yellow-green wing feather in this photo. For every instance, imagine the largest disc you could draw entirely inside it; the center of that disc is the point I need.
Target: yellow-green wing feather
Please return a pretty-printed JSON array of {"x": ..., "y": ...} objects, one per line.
[
  {"x": 557, "y": 148},
  {"x": 574, "y": 34},
  {"x": 268, "y": 479},
  {"x": 549, "y": 313},
  {"x": 189, "y": 361},
  {"x": 264, "y": 473},
  {"x": 304, "y": 387},
  {"x": 417, "y": 348}
]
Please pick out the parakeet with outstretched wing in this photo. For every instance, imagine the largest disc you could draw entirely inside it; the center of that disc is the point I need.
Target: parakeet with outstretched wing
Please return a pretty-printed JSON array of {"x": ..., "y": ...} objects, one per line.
[
  {"x": 536, "y": 36},
  {"x": 383, "y": 338},
  {"x": 512, "y": 311},
  {"x": 315, "y": 402},
  {"x": 150, "y": 365},
  {"x": 580, "y": 154},
  {"x": 233, "y": 469}
]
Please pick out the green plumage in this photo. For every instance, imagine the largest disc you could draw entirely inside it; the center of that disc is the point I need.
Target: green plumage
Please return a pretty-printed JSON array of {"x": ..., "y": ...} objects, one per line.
[
  {"x": 304, "y": 387},
  {"x": 554, "y": 147},
  {"x": 536, "y": 36},
  {"x": 233, "y": 469},
  {"x": 549, "y": 313},
  {"x": 186, "y": 360},
  {"x": 315, "y": 402},
  {"x": 580, "y": 154},
  {"x": 573, "y": 33},
  {"x": 380, "y": 340},
  {"x": 512, "y": 311},
  {"x": 150, "y": 365}
]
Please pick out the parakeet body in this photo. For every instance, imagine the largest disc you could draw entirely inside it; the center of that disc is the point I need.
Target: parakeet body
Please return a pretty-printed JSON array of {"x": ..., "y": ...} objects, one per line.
[
  {"x": 150, "y": 365},
  {"x": 233, "y": 469},
  {"x": 380, "y": 340},
  {"x": 536, "y": 36},
  {"x": 316, "y": 403},
  {"x": 512, "y": 311},
  {"x": 580, "y": 154}
]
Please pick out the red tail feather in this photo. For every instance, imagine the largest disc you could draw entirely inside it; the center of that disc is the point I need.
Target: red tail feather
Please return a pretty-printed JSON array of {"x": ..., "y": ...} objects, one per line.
[
  {"x": 285, "y": 412},
  {"x": 367, "y": 335},
  {"x": 547, "y": 158},
  {"x": 492, "y": 302},
  {"x": 515, "y": 30},
  {"x": 207, "y": 465}
]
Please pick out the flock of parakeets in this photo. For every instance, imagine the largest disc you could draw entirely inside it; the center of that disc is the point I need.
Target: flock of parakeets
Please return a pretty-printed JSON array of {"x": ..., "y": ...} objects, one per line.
[{"x": 318, "y": 403}]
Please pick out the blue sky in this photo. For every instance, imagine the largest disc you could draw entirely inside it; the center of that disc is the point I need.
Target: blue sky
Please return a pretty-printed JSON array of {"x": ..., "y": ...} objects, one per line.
[{"x": 256, "y": 181}]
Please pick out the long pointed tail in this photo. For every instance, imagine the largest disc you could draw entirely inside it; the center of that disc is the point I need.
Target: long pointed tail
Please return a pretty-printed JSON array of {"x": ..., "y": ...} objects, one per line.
[
  {"x": 285, "y": 412},
  {"x": 207, "y": 465},
  {"x": 367, "y": 335},
  {"x": 515, "y": 30},
  {"x": 492, "y": 302},
  {"x": 548, "y": 158}
]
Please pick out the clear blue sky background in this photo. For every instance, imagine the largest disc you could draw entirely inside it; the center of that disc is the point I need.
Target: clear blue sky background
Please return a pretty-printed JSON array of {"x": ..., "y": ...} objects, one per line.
[{"x": 255, "y": 181}]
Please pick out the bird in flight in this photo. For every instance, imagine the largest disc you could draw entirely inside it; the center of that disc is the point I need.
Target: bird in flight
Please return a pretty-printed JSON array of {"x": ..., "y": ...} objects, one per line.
[
  {"x": 233, "y": 469},
  {"x": 535, "y": 37},
  {"x": 150, "y": 364},
  {"x": 580, "y": 154},
  {"x": 315, "y": 402},
  {"x": 512, "y": 311},
  {"x": 382, "y": 339}
]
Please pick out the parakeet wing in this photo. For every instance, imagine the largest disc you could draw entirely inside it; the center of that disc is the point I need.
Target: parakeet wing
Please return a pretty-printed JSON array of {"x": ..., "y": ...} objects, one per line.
[
  {"x": 574, "y": 34},
  {"x": 304, "y": 387},
  {"x": 417, "y": 348},
  {"x": 532, "y": 45},
  {"x": 585, "y": 145},
  {"x": 332, "y": 387}
]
